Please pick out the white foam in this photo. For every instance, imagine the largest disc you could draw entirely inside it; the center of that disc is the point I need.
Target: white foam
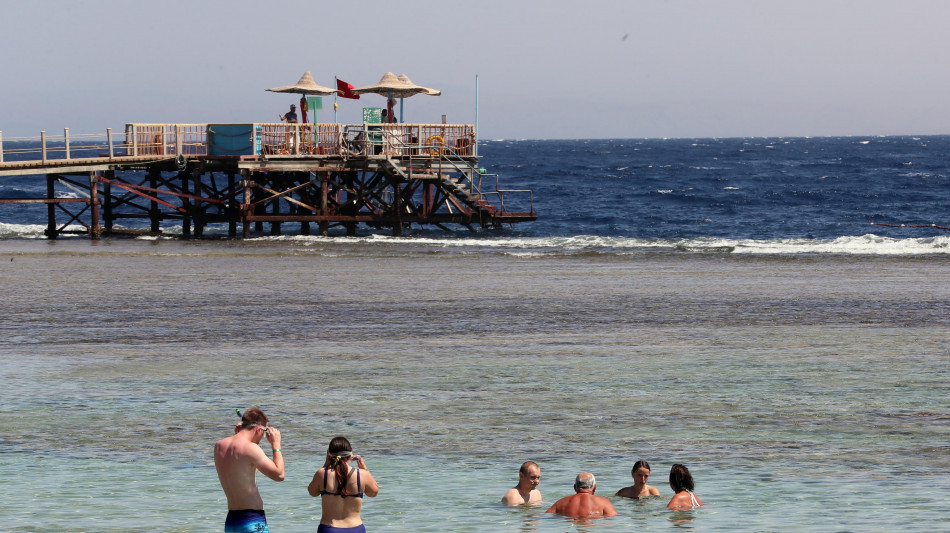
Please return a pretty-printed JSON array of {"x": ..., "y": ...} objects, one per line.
[
  {"x": 868, "y": 244},
  {"x": 854, "y": 245},
  {"x": 21, "y": 231}
]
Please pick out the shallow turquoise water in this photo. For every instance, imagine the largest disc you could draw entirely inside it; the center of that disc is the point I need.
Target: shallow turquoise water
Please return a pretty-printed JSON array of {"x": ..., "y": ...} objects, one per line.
[{"x": 803, "y": 392}]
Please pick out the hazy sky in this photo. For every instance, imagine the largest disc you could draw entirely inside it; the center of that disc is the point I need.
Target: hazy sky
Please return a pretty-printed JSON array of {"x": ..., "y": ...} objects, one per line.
[{"x": 546, "y": 69}]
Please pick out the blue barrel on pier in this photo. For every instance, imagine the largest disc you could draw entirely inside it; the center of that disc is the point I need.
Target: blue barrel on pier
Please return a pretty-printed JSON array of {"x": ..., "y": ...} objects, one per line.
[{"x": 234, "y": 139}]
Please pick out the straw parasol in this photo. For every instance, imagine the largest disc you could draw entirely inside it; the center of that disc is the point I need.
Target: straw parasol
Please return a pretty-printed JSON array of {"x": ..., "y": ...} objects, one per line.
[
  {"x": 305, "y": 85},
  {"x": 425, "y": 90},
  {"x": 392, "y": 87}
]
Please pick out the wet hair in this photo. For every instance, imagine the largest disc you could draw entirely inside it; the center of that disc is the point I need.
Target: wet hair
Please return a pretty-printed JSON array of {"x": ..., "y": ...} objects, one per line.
[
  {"x": 584, "y": 481},
  {"x": 526, "y": 465},
  {"x": 680, "y": 478},
  {"x": 638, "y": 465},
  {"x": 253, "y": 417},
  {"x": 339, "y": 463}
]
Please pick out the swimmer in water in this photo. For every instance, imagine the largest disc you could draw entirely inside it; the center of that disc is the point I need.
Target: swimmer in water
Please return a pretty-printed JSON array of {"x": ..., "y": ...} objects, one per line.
[
  {"x": 639, "y": 489},
  {"x": 527, "y": 489},
  {"x": 584, "y": 504},
  {"x": 681, "y": 481}
]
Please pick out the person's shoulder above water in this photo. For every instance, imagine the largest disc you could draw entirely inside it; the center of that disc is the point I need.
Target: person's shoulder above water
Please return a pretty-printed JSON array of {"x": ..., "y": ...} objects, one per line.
[
  {"x": 684, "y": 501},
  {"x": 635, "y": 492},
  {"x": 526, "y": 491}
]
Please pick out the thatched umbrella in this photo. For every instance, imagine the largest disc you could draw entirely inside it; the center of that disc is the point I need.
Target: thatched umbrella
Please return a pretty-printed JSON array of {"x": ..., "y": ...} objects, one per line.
[
  {"x": 405, "y": 79},
  {"x": 392, "y": 87},
  {"x": 304, "y": 86}
]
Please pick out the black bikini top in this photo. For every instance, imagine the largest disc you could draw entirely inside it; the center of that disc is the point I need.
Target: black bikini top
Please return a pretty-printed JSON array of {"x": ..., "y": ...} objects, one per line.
[{"x": 358, "y": 487}]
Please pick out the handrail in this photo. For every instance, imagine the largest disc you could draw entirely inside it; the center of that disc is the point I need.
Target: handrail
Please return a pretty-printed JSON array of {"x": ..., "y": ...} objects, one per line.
[
  {"x": 501, "y": 194},
  {"x": 166, "y": 139},
  {"x": 65, "y": 146},
  {"x": 150, "y": 139},
  {"x": 477, "y": 188}
]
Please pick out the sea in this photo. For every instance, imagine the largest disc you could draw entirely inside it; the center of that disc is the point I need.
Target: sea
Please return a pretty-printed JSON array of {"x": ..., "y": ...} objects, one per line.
[{"x": 771, "y": 312}]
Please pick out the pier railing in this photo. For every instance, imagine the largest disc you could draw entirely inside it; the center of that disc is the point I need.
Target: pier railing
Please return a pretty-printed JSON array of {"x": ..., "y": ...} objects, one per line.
[
  {"x": 408, "y": 139},
  {"x": 166, "y": 139},
  {"x": 45, "y": 147},
  {"x": 260, "y": 139}
]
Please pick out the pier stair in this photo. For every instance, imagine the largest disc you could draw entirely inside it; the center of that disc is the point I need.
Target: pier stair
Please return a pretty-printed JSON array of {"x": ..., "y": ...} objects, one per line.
[{"x": 464, "y": 187}]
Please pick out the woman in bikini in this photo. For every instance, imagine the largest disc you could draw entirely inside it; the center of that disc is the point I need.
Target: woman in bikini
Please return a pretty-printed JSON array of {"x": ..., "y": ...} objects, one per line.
[
  {"x": 681, "y": 481},
  {"x": 341, "y": 489},
  {"x": 639, "y": 489}
]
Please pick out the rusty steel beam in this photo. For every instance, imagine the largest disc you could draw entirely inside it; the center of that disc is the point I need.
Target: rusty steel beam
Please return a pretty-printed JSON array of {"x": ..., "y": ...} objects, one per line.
[{"x": 135, "y": 188}]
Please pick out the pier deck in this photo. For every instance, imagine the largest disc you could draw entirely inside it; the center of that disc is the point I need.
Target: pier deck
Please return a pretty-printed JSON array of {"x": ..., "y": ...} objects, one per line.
[{"x": 252, "y": 175}]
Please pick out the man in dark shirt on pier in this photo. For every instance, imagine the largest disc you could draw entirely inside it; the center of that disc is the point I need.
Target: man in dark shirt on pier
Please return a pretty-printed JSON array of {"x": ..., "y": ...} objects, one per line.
[{"x": 291, "y": 116}]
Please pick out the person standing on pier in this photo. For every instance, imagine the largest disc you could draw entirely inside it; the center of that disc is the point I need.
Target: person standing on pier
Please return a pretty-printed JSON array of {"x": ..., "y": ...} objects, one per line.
[
  {"x": 387, "y": 118},
  {"x": 237, "y": 459},
  {"x": 291, "y": 116}
]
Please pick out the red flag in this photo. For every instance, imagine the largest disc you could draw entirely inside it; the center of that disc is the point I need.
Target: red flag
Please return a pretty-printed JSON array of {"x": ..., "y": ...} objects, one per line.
[{"x": 346, "y": 90}]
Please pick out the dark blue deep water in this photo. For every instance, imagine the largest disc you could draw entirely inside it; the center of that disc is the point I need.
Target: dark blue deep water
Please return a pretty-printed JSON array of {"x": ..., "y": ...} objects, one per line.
[
  {"x": 753, "y": 188},
  {"x": 811, "y": 192}
]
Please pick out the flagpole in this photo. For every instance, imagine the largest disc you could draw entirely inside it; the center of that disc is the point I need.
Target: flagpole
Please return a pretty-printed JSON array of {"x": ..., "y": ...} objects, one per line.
[
  {"x": 476, "y": 115},
  {"x": 337, "y": 80}
]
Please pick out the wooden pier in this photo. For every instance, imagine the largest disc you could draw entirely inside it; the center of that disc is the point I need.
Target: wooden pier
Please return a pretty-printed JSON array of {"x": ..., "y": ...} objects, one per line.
[{"x": 384, "y": 176}]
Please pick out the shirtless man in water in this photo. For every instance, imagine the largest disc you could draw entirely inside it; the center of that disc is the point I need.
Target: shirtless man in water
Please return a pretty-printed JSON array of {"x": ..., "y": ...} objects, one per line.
[
  {"x": 584, "y": 504},
  {"x": 526, "y": 491},
  {"x": 237, "y": 459}
]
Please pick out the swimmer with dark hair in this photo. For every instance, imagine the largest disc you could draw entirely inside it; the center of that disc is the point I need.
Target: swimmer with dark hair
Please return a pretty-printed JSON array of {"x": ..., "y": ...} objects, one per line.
[
  {"x": 341, "y": 488},
  {"x": 681, "y": 481},
  {"x": 639, "y": 489}
]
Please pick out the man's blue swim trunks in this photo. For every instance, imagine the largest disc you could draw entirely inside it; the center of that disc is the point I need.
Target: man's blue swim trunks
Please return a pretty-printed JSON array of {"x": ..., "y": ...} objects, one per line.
[
  {"x": 246, "y": 521},
  {"x": 323, "y": 528}
]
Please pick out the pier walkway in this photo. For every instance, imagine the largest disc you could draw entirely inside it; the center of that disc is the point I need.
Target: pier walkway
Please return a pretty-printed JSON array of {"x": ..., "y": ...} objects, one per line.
[{"x": 252, "y": 175}]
